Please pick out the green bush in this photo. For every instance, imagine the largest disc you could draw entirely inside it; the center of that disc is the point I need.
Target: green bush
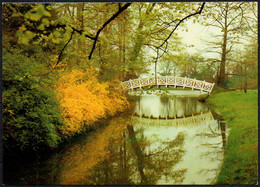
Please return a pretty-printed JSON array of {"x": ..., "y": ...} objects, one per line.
[{"x": 31, "y": 115}]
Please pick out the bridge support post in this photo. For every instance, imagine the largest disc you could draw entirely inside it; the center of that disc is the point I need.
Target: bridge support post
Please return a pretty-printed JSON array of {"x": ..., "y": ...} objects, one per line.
[
  {"x": 140, "y": 85},
  {"x": 184, "y": 82},
  {"x": 202, "y": 86},
  {"x": 211, "y": 88},
  {"x": 194, "y": 81},
  {"x": 131, "y": 85}
]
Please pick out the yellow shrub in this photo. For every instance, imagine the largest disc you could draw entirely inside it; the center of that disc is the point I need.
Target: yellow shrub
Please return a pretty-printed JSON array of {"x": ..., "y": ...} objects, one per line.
[{"x": 84, "y": 100}]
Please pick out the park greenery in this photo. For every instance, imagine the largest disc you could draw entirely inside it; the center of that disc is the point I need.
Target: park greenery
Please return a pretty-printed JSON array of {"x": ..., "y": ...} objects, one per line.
[
  {"x": 63, "y": 63},
  {"x": 240, "y": 111}
]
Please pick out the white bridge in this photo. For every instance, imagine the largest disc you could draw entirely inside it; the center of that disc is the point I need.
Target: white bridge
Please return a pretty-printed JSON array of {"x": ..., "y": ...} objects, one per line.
[{"x": 169, "y": 81}]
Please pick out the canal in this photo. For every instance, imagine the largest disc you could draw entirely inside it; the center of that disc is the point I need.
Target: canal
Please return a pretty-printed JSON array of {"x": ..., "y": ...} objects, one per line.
[{"x": 164, "y": 141}]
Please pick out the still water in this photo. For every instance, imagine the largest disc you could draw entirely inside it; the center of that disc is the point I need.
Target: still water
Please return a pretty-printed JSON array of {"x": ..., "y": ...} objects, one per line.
[{"x": 164, "y": 141}]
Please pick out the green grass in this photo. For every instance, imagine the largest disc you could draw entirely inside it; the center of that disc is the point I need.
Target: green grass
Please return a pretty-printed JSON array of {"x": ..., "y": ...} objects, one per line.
[{"x": 240, "y": 160}]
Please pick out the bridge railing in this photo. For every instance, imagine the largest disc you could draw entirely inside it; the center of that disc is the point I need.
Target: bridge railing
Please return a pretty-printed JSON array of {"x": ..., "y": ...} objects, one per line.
[{"x": 169, "y": 81}]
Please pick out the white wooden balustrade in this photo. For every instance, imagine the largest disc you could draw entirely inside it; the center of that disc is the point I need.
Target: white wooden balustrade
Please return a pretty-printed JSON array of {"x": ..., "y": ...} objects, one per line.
[{"x": 169, "y": 81}]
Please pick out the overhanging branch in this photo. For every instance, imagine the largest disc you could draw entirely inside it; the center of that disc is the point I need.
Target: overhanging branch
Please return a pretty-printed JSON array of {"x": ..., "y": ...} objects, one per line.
[
  {"x": 60, "y": 54},
  {"x": 171, "y": 33},
  {"x": 59, "y": 58},
  {"x": 183, "y": 19},
  {"x": 121, "y": 9}
]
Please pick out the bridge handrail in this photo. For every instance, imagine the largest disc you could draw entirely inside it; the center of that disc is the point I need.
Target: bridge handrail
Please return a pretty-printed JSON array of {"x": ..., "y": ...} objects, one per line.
[{"x": 169, "y": 81}]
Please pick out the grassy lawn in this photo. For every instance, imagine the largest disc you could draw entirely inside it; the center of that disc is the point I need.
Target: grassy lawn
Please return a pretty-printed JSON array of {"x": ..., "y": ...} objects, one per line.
[{"x": 240, "y": 161}]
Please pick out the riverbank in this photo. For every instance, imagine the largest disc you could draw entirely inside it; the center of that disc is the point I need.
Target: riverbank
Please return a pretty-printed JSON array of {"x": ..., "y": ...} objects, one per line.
[{"x": 240, "y": 111}]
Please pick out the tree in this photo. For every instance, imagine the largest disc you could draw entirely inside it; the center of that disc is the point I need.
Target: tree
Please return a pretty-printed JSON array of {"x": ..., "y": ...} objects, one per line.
[
  {"x": 31, "y": 111},
  {"x": 160, "y": 44},
  {"x": 59, "y": 32},
  {"x": 243, "y": 72},
  {"x": 229, "y": 19},
  {"x": 30, "y": 96}
]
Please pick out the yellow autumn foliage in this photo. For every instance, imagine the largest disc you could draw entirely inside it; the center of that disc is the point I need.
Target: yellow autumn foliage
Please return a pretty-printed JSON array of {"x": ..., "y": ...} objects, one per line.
[{"x": 85, "y": 100}]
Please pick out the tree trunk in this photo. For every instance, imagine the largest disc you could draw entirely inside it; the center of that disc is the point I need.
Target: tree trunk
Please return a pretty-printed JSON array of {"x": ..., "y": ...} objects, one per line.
[
  {"x": 80, "y": 7},
  {"x": 241, "y": 77},
  {"x": 120, "y": 42},
  {"x": 155, "y": 72},
  {"x": 222, "y": 77},
  {"x": 124, "y": 54},
  {"x": 139, "y": 38},
  {"x": 245, "y": 89}
]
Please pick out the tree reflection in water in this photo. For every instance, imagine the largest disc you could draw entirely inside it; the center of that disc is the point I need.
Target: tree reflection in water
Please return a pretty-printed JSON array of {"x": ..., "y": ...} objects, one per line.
[
  {"x": 130, "y": 161},
  {"x": 167, "y": 107},
  {"x": 215, "y": 149}
]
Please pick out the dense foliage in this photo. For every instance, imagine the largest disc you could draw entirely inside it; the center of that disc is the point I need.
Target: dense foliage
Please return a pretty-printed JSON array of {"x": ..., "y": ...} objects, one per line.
[
  {"x": 31, "y": 113},
  {"x": 85, "y": 100},
  {"x": 43, "y": 105}
]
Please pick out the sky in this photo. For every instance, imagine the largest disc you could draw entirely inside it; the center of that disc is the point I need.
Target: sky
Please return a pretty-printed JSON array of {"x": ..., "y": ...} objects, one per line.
[{"x": 196, "y": 32}]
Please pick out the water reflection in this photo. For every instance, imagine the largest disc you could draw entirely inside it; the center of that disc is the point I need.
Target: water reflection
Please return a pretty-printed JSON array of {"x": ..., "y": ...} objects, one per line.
[
  {"x": 165, "y": 107},
  {"x": 206, "y": 117},
  {"x": 185, "y": 148},
  {"x": 123, "y": 157}
]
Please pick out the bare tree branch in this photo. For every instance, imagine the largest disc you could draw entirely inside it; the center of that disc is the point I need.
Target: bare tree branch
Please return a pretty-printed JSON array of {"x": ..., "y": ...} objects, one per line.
[
  {"x": 183, "y": 19},
  {"x": 211, "y": 24},
  {"x": 222, "y": 26},
  {"x": 234, "y": 18},
  {"x": 213, "y": 52},
  {"x": 229, "y": 50},
  {"x": 165, "y": 41},
  {"x": 81, "y": 31},
  {"x": 60, "y": 54},
  {"x": 59, "y": 58},
  {"x": 121, "y": 9}
]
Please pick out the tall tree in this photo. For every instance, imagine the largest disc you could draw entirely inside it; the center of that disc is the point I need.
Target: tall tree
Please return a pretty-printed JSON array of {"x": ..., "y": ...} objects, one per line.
[{"x": 229, "y": 20}]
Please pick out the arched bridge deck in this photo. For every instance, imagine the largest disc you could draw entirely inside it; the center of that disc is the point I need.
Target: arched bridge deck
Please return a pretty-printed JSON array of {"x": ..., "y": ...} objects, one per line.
[{"x": 169, "y": 81}]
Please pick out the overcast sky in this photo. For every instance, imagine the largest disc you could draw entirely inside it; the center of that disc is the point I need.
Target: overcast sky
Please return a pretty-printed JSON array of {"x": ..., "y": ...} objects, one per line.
[{"x": 194, "y": 36}]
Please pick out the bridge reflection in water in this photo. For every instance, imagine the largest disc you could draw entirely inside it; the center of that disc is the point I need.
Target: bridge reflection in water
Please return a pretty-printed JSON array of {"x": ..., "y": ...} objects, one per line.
[{"x": 183, "y": 121}]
